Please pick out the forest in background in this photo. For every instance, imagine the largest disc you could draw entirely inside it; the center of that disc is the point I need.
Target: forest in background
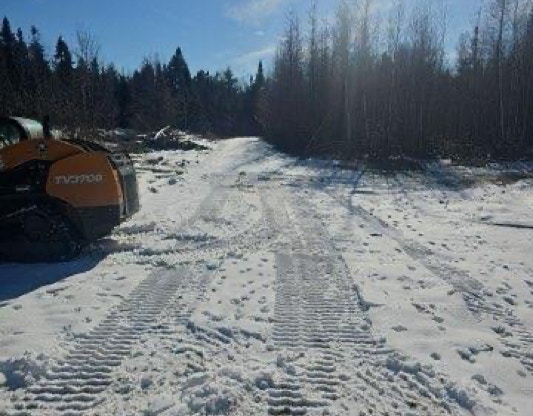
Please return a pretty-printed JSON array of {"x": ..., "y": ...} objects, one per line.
[
  {"x": 375, "y": 86},
  {"x": 363, "y": 85},
  {"x": 81, "y": 93}
]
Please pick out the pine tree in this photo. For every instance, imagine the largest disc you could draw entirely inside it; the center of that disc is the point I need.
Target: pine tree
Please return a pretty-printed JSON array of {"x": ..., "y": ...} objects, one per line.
[
  {"x": 260, "y": 79},
  {"x": 21, "y": 74},
  {"x": 36, "y": 48},
  {"x": 38, "y": 62},
  {"x": 143, "y": 103},
  {"x": 7, "y": 68},
  {"x": 179, "y": 78},
  {"x": 123, "y": 99},
  {"x": 229, "y": 103},
  {"x": 253, "y": 100},
  {"x": 204, "y": 91},
  {"x": 63, "y": 94},
  {"x": 39, "y": 76},
  {"x": 178, "y": 72},
  {"x": 63, "y": 60},
  {"x": 8, "y": 38}
]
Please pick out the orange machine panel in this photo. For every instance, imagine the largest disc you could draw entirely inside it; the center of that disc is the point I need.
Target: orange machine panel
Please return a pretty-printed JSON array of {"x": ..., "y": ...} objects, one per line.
[
  {"x": 85, "y": 180},
  {"x": 27, "y": 150}
]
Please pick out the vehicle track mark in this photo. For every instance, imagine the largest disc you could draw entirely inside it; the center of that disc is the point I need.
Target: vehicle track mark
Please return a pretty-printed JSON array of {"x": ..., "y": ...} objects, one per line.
[
  {"x": 74, "y": 385},
  {"x": 472, "y": 291},
  {"x": 213, "y": 204},
  {"x": 319, "y": 313}
]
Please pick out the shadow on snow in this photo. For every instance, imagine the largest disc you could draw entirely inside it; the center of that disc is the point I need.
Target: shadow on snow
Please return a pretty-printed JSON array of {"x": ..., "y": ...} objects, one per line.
[{"x": 20, "y": 279}]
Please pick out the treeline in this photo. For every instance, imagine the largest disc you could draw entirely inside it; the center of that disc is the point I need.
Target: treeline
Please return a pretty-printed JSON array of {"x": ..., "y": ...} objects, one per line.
[
  {"x": 371, "y": 87},
  {"x": 78, "y": 91},
  {"x": 362, "y": 86}
]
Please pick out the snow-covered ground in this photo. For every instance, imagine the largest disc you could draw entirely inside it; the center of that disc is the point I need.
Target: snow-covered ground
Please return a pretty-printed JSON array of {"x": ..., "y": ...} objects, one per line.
[{"x": 252, "y": 283}]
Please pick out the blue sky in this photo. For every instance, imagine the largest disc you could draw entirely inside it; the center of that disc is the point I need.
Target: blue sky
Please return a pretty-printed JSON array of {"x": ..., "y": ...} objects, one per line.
[{"x": 213, "y": 34}]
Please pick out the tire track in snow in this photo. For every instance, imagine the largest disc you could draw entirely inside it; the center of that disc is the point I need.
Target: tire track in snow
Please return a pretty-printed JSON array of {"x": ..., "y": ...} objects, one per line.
[
  {"x": 176, "y": 330},
  {"x": 473, "y": 292},
  {"x": 192, "y": 238},
  {"x": 208, "y": 211},
  {"x": 213, "y": 204},
  {"x": 320, "y": 315},
  {"x": 254, "y": 235},
  {"x": 213, "y": 201},
  {"x": 192, "y": 344},
  {"x": 76, "y": 384}
]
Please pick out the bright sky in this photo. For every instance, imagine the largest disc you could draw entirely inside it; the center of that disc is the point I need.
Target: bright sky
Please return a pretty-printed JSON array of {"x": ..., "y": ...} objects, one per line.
[{"x": 212, "y": 33}]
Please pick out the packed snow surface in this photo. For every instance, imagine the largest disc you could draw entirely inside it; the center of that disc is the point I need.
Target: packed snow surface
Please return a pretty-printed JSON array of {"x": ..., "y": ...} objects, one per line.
[{"x": 252, "y": 283}]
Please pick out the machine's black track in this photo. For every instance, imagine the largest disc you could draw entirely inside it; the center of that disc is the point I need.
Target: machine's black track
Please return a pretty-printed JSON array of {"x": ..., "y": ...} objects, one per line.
[{"x": 39, "y": 233}]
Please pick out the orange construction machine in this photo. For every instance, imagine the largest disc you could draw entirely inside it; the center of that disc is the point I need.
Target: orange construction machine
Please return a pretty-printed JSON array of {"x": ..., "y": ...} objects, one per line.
[{"x": 58, "y": 195}]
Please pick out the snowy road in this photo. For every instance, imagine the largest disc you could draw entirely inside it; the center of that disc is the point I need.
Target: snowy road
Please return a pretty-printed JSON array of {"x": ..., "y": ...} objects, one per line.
[{"x": 252, "y": 283}]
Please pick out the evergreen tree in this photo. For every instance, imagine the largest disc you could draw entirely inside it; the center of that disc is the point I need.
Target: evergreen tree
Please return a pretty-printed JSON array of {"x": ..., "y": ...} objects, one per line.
[
  {"x": 21, "y": 75},
  {"x": 63, "y": 94},
  {"x": 39, "y": 76},
  {"x": 204, "y": 91},
  {"x": 8, "y": 39},
  {"x": 179, "y": 79},
  {"x": 260, "y": 79},
  {"x": 178, "y": 72},
  {"x": 36, "y": 48},
  {"x": 254, "y": 99},
  {"x": 123, "y": 99},
  {"x": 63, "y": 60},
  {"x": 7, "y": 67}
]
